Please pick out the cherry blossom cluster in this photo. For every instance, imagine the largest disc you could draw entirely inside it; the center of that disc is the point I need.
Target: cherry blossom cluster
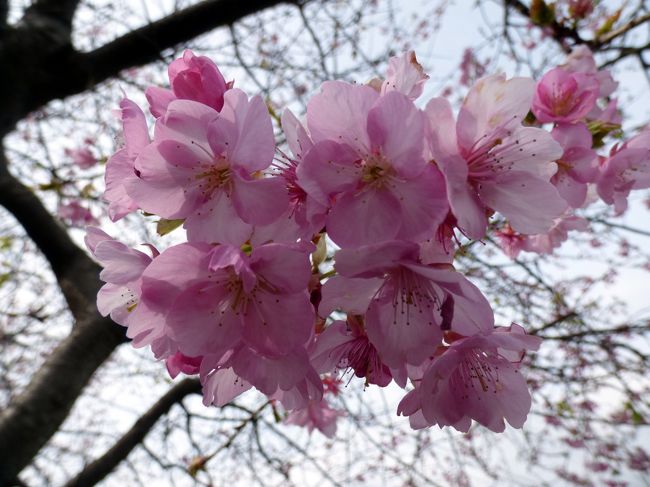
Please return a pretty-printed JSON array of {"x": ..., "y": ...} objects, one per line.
[{"x": 336, "y": 256}]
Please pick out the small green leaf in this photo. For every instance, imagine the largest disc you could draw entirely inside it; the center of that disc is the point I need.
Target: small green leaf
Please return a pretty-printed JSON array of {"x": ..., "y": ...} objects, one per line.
[
  {"x": 541, "y": 13},
  {"x": 608, "y": 25},
  {"x": 5, "y": 243},
  {"x": 166, "y": 226},
  {"x": 4, "y": 278}
]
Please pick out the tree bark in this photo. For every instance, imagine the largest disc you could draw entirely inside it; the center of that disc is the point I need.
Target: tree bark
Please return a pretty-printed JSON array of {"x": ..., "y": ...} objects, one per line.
[
  {"x": 97, "y": 470},
  {"x": 39, "y": 65}
]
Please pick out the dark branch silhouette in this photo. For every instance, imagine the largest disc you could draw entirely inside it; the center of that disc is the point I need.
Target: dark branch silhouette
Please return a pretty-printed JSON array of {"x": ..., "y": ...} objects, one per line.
[
  {"x": 101, "y": 467},
  {"x": 40, "y": 65}
]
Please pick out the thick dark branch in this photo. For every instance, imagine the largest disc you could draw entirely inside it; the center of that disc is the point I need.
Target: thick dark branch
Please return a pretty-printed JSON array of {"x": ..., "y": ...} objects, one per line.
[
  {"x": 4, "y": 12},
  {"x": 37, "y": 76},
  {"x": 144, "y": 45},
  {"x": 100, "y": 468},
  {"x": 62, "y": 10},
  {"x": 37, "y": 413},
  {"x": 39, "y": 70},
  {"x": 76, "y": 273}
]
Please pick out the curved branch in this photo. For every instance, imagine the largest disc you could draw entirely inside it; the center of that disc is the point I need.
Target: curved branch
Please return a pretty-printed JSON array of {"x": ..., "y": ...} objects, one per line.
[
  {"x": 37, "y": 413},
  {"x": 55, "y": 15},
  {"x": 560, "y": 32},
  {"x": 75, "y": 272},
  {"x": 48, "y": 69},
  {"x": 94, "y": 472},
  {"x": 633, "y": 23},
  {"x": 144, "y": 45}
]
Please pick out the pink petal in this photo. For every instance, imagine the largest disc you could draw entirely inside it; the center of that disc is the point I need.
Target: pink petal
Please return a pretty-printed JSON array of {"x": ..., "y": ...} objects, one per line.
[
  {"x": 370, "y": 216},
  {"x": 405, "y": 75},
  {"x": 222, "y": 386},
  {"x": 340, "y": 112},
  {"x": 397, "y": 127},
  {"x": 351, "y": 295},
  {"x": 278, "y": 324},
  {"x": 423, "y": 204},
  {"x": 159, "y": 99},
  {"x": 256, "y": 143},
  {"x": 286, "y": 268},
  {"x": 374, "y": 260},
  {"x": 136, "y": 133},
  {"x": 493, "y": 102},
  {"x": 327, "y": 169},
  {"x": 119, "y": 169},
  {"x": 296, "y": 135},
  {"x": 441, "y": 128},
  {"x": 217, "y": 221},
  {"x": 530, "y": 204},
  {"x": 259, "y": 201},
  {"x": 464, "y": 201}
]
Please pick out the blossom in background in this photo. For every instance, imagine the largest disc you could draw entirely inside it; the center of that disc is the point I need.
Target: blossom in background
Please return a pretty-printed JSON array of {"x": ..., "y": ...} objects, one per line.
[
  {"x": 74, "y": 213},
  {"x": 564, "y": 97},
  {"x": 317, "y": 415},
  {"x": 82, "y": 157}
]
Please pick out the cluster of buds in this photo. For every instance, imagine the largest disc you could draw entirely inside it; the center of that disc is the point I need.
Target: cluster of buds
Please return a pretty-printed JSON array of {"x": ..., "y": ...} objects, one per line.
[{"x": 254, "y": 299}]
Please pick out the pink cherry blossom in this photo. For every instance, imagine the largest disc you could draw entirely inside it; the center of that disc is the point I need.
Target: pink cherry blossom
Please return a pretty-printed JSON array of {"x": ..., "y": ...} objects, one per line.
[
  {"x": 346, "y": 346},
  {"x": 120, "y": 169},
  {"x": 563, "y": 96},
  {"x": 178, "y": 363},
  {"x": 557, "y": 235},
  {"x": 408, "y": 304},
  {"x": 82, "y": 157},
  {"x": 627, "y": 168},
  {"x": 491, "y": 162},
  {"x": 405, "y": 75},
  {"x": 579, "y": 9},
  {"x": 578, "y": 164},
  {"x": 191, "y": 77},
  {"x": 475, "y": 377},
  {"x": 75, "y": 214},
  {"x": 511, "y": 242},
  {"x": 317, "y": 415},
  {"x": 367, "y": 164},
  {"x": 304, "y": 216},
  {"x": 204, "y": 166},
  {"x": 122, "y": 273},
  {"x": 222, "y": 297},
  {"x": 581, "y": 60},
  {"x": 288, "y": 378}
]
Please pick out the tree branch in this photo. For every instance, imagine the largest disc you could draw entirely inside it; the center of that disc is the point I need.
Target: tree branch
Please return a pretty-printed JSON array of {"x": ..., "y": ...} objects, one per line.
[
  {"x": 144, "y": 45},
  {"x": 559, "y": 32},
  {"x": 50, "y": 14},
  {"x": 44, "y": 72},
  {"x": 37, "y": 413},
  {"x": 100, "y": 468},
  {"x": 4, "y": 12},
  {"x": 75, "y": 272},
  {"x": 34, "y": 79},
  {"x": 607, "y": 38}
]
